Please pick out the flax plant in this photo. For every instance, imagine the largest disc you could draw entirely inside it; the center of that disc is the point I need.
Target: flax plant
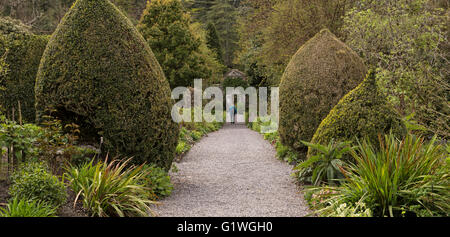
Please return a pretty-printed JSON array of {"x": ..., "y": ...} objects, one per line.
[
  {"x": 398, "y": 178},
  {"x": 112, "y": 188}
]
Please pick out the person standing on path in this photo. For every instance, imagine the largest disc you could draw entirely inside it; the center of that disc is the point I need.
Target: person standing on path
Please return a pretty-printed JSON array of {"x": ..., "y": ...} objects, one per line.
[{"x": 233, "y": 111}]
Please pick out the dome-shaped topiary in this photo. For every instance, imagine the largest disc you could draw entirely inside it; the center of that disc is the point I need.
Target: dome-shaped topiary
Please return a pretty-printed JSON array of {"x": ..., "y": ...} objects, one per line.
[
  {"x": 362, "y": 113},
  {"x": 98, "y": 72},
  {"x": 322, "y": 71},
  {"x": 22, "y": 52}
]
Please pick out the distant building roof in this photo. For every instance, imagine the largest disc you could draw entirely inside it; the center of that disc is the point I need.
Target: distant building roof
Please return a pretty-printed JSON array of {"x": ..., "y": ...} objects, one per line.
[{"x": 236, "y": 73}]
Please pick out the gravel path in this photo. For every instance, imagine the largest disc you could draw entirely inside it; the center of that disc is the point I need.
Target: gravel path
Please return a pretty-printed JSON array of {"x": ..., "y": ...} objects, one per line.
[{"x": 233, "y": 172}]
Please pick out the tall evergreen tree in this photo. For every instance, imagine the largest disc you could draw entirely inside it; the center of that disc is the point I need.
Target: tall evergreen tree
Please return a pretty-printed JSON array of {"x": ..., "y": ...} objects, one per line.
[
  {"x": 224, "y": 15},
  {"x": 213, "y": 41},
  {"x": 166, "y": 27}
]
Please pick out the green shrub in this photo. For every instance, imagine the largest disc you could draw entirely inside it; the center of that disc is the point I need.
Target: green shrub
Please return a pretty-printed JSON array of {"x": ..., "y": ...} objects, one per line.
[
  {"x": 32, "y": 181},
  {"x": 182, "y": 147},
  {"x": 211, "y": 127},
  {"x": 112, "y": 188},
  {"x": 196, "y": 135},
  {"x": 396, "y": 178},
  {"x": 256, "y": 126},
  {"x": 22, "y": 52},
  {"x": 158, "y": 181},
  {"x": 47, "y": 143},
  {"x": 364, "y": 112},
  {"x": 183, "y": 134},
  {"x": 326, "y": 165},
  {"x": 98, "y": 72},
  {"x": 272, "y": 137},
  {"x": 282, "y": 150},
  {"x": 322, "y": 71},
  {"x": 27, "y": 208},
  {"x": 21, "y": 137}
]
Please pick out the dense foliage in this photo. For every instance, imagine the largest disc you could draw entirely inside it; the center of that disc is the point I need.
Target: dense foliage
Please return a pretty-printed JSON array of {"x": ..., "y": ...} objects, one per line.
[
  {"x": 379, "y": 150},
  {"x": 224, "y": 16},
  {"x": 27, "y": 208},
  {"x": 111, "y": 86},
  {"x": 272, "y": 31},
  {"x": 213, "y": 41},
  {"x": 112, "y": 188},
  {"x": 411, "y": 56},
  {"x": 29, "y": 142},
  {"x": 325, "y": 165},
  {"x": 415, "y": 183},
  {"x": 158, "y": 182},
  {"x": 363, "y": 112},
  {"x": 22, "y": 51},
  {"x": 166, "y": 27},
  {"x": 33, "y": 181},
  {"x": 319, "y": 74}
]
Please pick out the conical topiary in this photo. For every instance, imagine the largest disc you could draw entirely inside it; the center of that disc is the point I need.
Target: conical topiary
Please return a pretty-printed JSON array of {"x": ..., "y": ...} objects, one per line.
[
  {"x": 362, "y": 113},
  {"x": 22, "y": 52},
  {"x": 322, "y": 71},
  {"x": 98, "y": 72}
]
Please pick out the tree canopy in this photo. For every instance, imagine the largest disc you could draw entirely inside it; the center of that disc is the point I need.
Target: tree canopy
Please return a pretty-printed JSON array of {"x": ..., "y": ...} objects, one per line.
[{"x": 165, "y": 25}]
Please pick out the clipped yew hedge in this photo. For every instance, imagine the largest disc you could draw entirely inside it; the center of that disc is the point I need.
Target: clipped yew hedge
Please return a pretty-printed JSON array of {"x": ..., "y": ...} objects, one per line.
[
  {"x": 22, "y": 52},
  {"x": 362, "y": 113},
  {"x": 98, "y": 72},
  {"x": 322, "y": 71}
]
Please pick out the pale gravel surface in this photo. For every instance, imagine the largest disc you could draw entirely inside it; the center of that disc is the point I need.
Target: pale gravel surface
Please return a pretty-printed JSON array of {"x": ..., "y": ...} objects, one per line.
[{"x": 233, "y": 172}]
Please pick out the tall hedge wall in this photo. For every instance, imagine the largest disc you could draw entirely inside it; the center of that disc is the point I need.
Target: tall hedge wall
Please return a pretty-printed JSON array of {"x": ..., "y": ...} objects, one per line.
[
  {"x": 364, "y": 112},
  {"x": 22, "y": 52},
  {"x": 322, "y": 71},
  {"x": 98, "y": 72}
]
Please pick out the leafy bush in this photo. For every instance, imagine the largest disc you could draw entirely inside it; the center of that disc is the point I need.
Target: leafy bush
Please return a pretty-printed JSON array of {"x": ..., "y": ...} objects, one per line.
[
  {"x": 22, "y": 52},
  {"x": 398, "y": 178},
  {"x": 322, "y": 71},
  {"x": 196, "y": 135},
  {"x": 420, "y": 32},
  {"x": 47, "y": 143},
  {"x": 112, "y": 188},
  {"x": 282, "y": 150},
  {"x": 111, "y": 86},
  {"x": 271, "y": 137},
  {"x": 27, "y": 208},
  {"x": 182, "y": 147},
  {"x": 32, "y": 181},
  {"x": 364, "y": 112},
  {"x": 326, "y": 165},
  {"x": 256, "y": 126},
  {"x": 158, "y": 181},
  {"x": 21, "y": 137}
]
